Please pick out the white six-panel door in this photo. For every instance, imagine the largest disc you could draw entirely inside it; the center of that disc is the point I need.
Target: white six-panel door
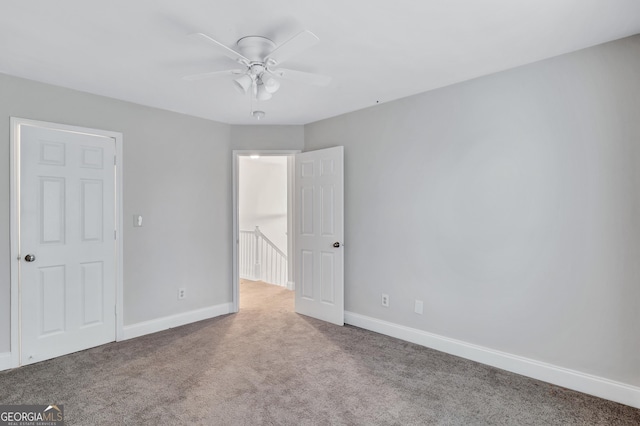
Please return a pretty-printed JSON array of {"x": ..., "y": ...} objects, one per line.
[
  {"x": 319, "y": 233},
  {"x": 67, "y": 223}
]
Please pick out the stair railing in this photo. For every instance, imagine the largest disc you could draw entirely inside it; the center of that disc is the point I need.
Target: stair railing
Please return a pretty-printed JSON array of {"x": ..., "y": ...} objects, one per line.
[{"x": 260, "y": 259}]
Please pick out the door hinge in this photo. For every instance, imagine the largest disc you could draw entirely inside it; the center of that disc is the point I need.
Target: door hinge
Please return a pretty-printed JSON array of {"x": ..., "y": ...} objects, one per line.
[
  {"x": 115, "y": 309},
  {"x": 115, "y": 234},
  {"x": 114, "y": 160}
]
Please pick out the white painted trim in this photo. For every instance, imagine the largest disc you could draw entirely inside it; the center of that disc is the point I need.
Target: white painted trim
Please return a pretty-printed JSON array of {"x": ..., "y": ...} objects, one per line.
[
  {"x": 14, "y": 150},
  {"x": 177, "y": 320},
  {"x": 291, "y": 250},
  {"x": 235, "y": 240},
  {"x": 235, "y": 274},
  {"x": 119, "y": 139},
  {"x": 14, "y": 176},
  {"x": 6, "y": 361},
  {"x": 576, "y": 380}
]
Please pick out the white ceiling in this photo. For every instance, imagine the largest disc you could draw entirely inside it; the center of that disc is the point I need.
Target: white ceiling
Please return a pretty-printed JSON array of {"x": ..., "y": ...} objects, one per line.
[{"x": 375, "y": 50}]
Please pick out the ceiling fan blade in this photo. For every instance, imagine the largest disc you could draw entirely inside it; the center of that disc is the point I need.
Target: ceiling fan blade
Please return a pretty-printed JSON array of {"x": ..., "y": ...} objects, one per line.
[
  {"x": 202, "y": 76},
  {"x": 228, "y": 52},
  {"x": 296, "y": 44},
  {"x": 302, "y": 77}
]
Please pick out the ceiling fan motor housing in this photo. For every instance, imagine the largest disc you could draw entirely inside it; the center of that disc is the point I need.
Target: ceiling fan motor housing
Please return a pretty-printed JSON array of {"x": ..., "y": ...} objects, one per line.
[{"x": 255, "y": 48}]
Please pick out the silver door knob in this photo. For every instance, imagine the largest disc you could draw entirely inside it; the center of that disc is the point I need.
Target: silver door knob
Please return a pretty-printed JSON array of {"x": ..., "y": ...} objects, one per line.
[
  {"x": 29, "y": 258},
  {"x": 336, "y": 244}
]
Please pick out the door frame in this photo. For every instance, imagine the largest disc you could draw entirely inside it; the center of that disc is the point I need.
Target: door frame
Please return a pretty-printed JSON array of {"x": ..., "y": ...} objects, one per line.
[
  {"x": 14, "y": 204},
  {"x": 235, "y": 241}
]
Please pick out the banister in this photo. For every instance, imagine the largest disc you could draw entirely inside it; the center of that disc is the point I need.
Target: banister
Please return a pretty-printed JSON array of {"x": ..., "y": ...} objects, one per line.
[{"x": 260, "y": 259}]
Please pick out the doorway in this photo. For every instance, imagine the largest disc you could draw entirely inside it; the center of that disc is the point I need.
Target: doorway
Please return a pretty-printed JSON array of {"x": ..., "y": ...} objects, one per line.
[
  {"x": 315, "y": 230},
  {"x": 262, "y": 219}
]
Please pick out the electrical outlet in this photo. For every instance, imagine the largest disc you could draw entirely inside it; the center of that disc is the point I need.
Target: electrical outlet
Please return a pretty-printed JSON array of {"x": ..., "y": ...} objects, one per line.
[
  {"x": 418, "y": 307},
  {"x": 182, "y": 293},
  {"x": 385, "y": 300}
]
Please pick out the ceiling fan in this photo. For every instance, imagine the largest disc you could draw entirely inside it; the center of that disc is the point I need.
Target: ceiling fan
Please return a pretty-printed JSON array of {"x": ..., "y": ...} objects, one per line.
[{"x": 261, "y": 59}]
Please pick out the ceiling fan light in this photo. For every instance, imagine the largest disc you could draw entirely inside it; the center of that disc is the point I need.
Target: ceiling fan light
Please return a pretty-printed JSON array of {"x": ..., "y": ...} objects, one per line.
[
  {"x": 258, "y": 114},
  {"x": 243, "y": 83},
  {"x": 271, "y": 85},
  {"x": 263, "y": 94}
]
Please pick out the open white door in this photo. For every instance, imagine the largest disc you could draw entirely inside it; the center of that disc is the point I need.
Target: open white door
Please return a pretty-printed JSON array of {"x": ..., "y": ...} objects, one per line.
[
  {"x": 319, "y": 233},
  {"x": 67, "y": 242}
]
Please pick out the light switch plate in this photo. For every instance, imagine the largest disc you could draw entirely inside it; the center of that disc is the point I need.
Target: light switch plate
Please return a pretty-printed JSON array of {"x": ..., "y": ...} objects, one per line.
[{"x": 137, "y": 220}]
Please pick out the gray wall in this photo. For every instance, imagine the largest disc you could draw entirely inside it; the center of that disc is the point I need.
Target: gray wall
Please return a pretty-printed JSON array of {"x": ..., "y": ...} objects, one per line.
[
  {"x": 267, "y": 137},
  {"x": 177, "y": 174},
  {"x": 509, "y": 204}
]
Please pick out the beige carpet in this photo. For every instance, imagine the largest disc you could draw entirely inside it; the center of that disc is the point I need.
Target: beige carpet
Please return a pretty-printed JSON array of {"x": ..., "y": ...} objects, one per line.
[{"x": 269, "y": 366}]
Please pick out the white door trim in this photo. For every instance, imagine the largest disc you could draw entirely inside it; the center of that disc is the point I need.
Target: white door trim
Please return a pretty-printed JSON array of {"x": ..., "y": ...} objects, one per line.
[
  {"x": 14, "y": 154},
  {"x": 235, "y": 154}
]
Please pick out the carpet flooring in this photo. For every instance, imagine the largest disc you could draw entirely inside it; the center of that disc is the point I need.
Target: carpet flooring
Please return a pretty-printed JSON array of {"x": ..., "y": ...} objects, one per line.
[{"x": 267, "y": 365}]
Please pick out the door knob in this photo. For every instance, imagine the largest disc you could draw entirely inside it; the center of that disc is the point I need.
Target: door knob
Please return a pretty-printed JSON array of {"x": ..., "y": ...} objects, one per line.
[
  {"x": 336, "y": 244},
  {"x": 29, "y": 258}
]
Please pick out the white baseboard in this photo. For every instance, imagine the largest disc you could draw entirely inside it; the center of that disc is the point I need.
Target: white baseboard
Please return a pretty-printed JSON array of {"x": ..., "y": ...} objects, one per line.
[
  {"x": 576, "y": 380},
  {"x": 291, "y": 285},
  {"x": 6, "y": 361},
  {"x": 164, "y": 323}
]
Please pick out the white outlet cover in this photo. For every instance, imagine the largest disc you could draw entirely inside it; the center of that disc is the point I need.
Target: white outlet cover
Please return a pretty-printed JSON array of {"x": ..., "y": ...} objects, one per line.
[
  {"x": 419, "y": 307},
  {"x": 385, "y": 300}
]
